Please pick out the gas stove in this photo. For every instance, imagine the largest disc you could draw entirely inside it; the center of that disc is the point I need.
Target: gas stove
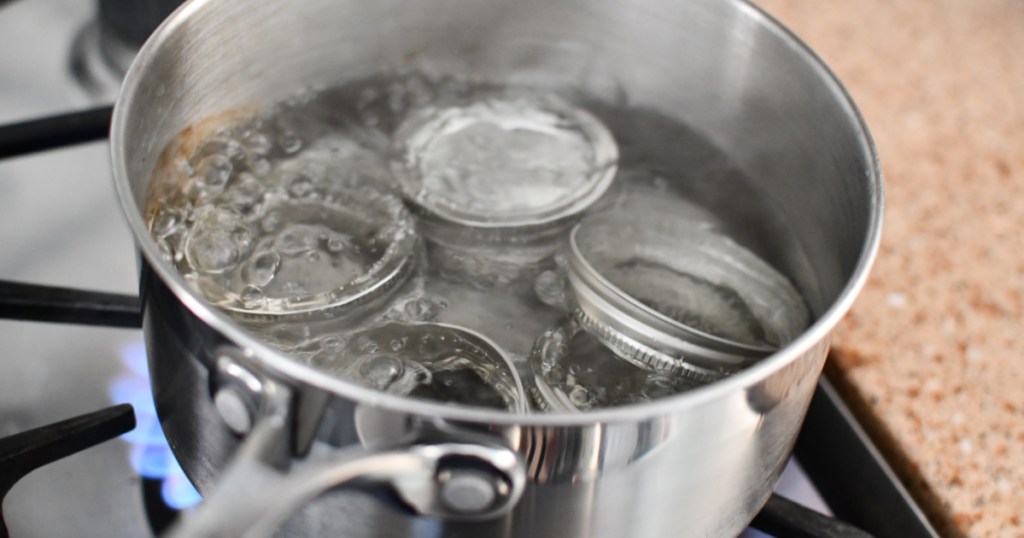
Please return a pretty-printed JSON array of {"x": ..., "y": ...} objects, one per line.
[{"x": 68, "y": 352}]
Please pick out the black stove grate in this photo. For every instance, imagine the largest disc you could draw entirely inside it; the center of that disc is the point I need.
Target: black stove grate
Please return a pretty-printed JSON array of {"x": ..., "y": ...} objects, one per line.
[
  {"x": 31, "y": 302},
  {"x": 837, "y": 455},
  {"x": 54, "y": 131},
  {"x": 27, "y": 451}
]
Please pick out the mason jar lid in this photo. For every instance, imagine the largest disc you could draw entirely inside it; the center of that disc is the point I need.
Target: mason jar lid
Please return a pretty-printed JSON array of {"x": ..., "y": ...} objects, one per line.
[
  {"x": 573, "y": 370},
  {"x": 673, "y": 294},
  {"x": 435, "y": 361},
  {"x": 503, "y": 160},
  {"x": 314, "y": 252}
]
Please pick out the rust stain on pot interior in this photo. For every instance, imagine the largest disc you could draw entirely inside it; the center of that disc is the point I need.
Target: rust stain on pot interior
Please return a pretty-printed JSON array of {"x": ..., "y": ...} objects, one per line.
[{"x": 166, "y": 175}]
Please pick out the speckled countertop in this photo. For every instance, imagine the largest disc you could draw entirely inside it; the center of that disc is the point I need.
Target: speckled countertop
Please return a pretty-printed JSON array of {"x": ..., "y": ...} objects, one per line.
[{"x": 932, "y": 355}]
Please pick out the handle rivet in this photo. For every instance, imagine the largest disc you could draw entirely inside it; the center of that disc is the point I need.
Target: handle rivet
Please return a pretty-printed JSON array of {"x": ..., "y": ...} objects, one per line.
[
  {"x": 233, "y": 409},
  {"x": 468, "y": 491}
]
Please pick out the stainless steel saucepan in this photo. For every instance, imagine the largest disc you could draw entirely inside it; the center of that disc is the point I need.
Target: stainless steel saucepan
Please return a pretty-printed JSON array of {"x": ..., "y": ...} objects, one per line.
[{"x": 336, "y": 457}]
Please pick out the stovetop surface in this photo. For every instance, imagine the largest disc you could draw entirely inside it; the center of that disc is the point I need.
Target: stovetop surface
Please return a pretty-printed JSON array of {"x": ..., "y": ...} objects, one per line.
[{"x": 60, "y": 224}]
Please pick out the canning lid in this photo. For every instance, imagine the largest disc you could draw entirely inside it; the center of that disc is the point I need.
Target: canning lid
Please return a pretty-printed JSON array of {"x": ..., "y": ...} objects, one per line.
[
  {"x": 314, "y": 251},
  {"x": 672, "y": 294},
  {"x": 434, "y": 361},
  {"x": 503, "y": 160},
  {"x": 573, "y": 370}
]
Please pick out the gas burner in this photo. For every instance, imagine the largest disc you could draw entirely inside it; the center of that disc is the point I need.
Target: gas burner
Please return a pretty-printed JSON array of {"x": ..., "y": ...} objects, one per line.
[
  {"x": 165, "y": 489},
  {"x": 159, "y": 514},
  {"x": 104, "y": 48}
]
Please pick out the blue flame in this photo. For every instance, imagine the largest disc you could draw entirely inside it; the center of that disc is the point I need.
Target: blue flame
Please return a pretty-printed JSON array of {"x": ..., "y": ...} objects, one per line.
[
  {"x": 178, "y": 492},
  {"x": 152, "y": 461},
  {"x": 150, "y": 455},
  {"x": 133, "y": 355}
]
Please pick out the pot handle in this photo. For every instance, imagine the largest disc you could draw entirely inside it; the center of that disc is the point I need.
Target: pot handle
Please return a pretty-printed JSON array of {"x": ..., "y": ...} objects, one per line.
[{"x": 261, "y": 487}]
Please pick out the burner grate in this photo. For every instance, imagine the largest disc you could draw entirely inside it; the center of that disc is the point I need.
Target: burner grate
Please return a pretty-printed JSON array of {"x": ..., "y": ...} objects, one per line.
[
  {"x": 55, "y": 131},
  {"x": 30, "y": 302},
  {"x": 25, "y": 452}
]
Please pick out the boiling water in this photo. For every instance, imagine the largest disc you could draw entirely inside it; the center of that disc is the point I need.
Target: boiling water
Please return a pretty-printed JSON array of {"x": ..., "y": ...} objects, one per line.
[
  {"x": 366, "y": 212},
  {"x": 266, "y": 231}
]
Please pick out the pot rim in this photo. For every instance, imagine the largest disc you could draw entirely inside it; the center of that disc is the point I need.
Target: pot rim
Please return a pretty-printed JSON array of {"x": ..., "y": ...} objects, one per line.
[{"x": 295, "y": 372}]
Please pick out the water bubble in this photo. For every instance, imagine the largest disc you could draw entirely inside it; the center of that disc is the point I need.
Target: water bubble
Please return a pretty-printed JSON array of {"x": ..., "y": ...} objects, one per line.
[
  {"x": 367, "y": 344},
  {"x": 167, "y": 221},
  {"x": 258, "y": 164},
  {"x": 245, "y": 195},
  {"x": 294, "y": 289},
  {"x": 222, "y": 146},
  {"x": 301, "y": 186},
  {"x": 263, "y": 268},
  {"x": 422, "y": 376},
  {"x": 290, "y": 142},
  {"x": 165, "y": 250},
  {"x": 422, "y": 309},
  {"x": 252, "y": 296},
  {"x": 550, "y": 289},
  {"x": 256, "y": 142},
  {"x": 307, "y": 348},
  {"x": 248, "y": 185},
  {"x": 242, "y": 237},
  {"x": 581, "y": 397},
  {"x": 214, "y": 171},
  {"x": 381, "y": 371},
  {"x": 297, "y": 239},
  {"x": 314, "y": 257},
  {"x": 213, "y": 246},
  {"x": 271, "y": 222},
  {"x": 340, "y": 242}
]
